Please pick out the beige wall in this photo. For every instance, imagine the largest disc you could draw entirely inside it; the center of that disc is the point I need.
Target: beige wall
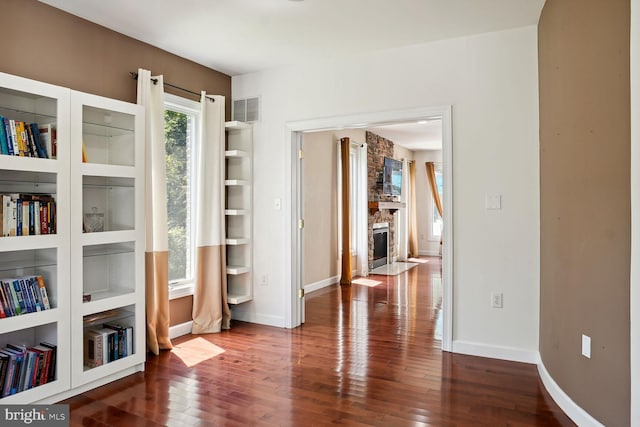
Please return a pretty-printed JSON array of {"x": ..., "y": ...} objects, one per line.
[
  {"x": 585, "y": 202},
  {"x": 424, "y": 202},
  {"x": 320, "y": 203},
  {"x": 46, "y": 44}
]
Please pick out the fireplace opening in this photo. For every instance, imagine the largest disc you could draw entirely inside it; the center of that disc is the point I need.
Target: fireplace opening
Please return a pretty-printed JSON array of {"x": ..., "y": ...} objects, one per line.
[{"x": 380, "y": 244}]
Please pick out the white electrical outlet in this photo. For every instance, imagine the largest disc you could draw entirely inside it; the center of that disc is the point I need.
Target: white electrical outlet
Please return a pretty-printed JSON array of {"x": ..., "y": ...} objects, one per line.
[
  {"x": 586, "y": 346},
  {"x": 496, "y": 300},
  {"x": 264, "y": 280}
]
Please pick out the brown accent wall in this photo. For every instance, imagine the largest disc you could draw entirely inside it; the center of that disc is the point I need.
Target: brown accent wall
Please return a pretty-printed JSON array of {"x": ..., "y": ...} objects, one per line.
[
  {"x": 46, "y": 44},
  {"x": 43, "y": 43},
  {"x": 585, "y": 202}
]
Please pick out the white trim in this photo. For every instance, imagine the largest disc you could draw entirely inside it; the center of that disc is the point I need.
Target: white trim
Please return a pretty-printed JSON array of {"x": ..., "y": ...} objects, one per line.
[
  {"x": 261, "y": 319},
  {"x": 311, "y": 287},
  {"x": 181, "y": 329},
  {"x": 180, "y": 291},
  {"x": 496, "y": 352},
  {"x": 573, "y": 411},
  {"x": 429, "y": 253},
  {"x": 292, "y": 190}
]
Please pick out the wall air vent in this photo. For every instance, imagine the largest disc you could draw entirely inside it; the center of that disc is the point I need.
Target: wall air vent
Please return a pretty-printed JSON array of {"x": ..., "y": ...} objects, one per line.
[{"x": 246, "y": 110}]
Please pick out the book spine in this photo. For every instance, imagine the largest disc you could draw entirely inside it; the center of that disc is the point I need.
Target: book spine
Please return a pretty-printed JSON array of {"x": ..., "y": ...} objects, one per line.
[
  {"x": 44, "y": 297},
  {"x": 4, "y": 146},
  {"x": 14, "y": 139},
  {"x": 54, "y": 360},
  {"x": 42, "y": 152},
  {"x": 20, "y": 300},
  {"x": 25, "y": 296},
  {"x": 14, "y": 297},
  {"x": 34, "y": 293},
  {"x": 32, "y": 218},
  {"x": 9, "y": 296},
  {"x": 3, "y": 372},
  {"x": 7, "y": 131}
]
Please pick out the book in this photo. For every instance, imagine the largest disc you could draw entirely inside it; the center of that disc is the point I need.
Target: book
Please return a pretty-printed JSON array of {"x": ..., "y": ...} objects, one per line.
[
  {"x": 44, "y": 371},
  {"x": 4, "y": 146},
  {"x": 21, "y": 367},
  {"x": 7, "y": 131},
  {"x": 17, "y": 149},
  {"x": 93, "y": 348},
  {"x": 40, "y": 147},
  {"x": 44, "y": 297},
  {"x": 8, "y": 297},
  {"x": 19, "y": 296},
  {"x": 25, "y": 295},
  {"x": 13, "y": 298},
  {"x": 34, "y": 292},
  {"x": 13, "y": 372},
  {"x": 4, "y": 365},
  {"x": 51, "y": 375},
  {"x": 48, "y": 136}
]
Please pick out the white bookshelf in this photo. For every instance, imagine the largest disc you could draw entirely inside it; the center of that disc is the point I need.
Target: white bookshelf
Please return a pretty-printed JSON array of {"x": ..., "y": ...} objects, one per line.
[
  {"x": 238, "y": 208},
  {"x": 107, "y": 264},
  {"x": 107, "y": 228}
]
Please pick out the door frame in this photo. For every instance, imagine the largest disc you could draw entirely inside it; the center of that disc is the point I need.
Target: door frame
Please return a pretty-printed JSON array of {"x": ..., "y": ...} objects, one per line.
[{"x": 294, "y": 303}]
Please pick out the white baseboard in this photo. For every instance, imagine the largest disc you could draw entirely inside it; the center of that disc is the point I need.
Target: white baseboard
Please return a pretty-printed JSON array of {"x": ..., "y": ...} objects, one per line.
[
  {"x": 261, "y": 319},
  {"x": 573, "y": 411},
  {"x": 181, "y": 329},
  {"x": 495, "y": 352},
  {"x": 321, "y": 284},
  {"x": 429, "y": 253}
]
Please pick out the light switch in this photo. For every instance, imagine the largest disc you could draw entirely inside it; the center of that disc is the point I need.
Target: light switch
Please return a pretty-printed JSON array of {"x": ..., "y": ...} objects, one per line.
[
  {"x": 276, "y": 204},
  {"x": 493, "y": 201}
]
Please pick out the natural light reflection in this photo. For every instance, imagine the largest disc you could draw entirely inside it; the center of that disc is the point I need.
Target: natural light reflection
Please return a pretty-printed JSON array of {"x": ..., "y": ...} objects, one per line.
[
  {"x": 366, "y": 282},
  {"x": 196, "y": 350},
  {"x": 418, "y": 260}
]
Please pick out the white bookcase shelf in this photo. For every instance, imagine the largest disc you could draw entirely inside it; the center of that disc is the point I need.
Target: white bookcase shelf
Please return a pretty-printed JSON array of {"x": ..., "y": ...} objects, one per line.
[
  {"x": 108, "y": 264},
  {"x": 238, "y": 204}
]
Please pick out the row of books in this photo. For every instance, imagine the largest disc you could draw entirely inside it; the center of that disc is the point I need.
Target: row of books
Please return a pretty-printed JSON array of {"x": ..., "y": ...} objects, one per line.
[
  {"x": 27, "y": 214},
  {"x": 22, "y": 368},
  {"x": 106, "y": 344},
  {"x": 18, "y": 138},
  {"x": 22, "y": 295}
]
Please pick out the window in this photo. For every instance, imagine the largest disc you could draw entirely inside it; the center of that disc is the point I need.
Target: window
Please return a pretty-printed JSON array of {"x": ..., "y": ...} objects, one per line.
[
  {"x": 436, "y": 223},
  {"x": 181, "y": 119}
]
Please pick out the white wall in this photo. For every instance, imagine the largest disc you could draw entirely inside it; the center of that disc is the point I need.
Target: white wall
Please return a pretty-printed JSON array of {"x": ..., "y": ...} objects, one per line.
[
  {"x": 426, "y": 244},
  {"x": 491, "y": 82}
]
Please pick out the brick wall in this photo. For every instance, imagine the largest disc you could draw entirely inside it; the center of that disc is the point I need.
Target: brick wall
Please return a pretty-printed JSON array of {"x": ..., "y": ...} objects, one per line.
[{"x": 377, "y": 149}]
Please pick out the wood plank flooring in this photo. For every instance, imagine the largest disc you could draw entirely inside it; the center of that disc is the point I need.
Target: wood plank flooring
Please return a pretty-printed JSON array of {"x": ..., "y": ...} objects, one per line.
[{"x": 367, "y": 355}]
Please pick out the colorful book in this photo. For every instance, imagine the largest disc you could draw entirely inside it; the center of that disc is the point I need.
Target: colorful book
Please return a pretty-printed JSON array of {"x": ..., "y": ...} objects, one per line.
[
  {"x": 40, "y": 147},
  {"x": 4, "y": 145},
  {"x": 51, "y": 375},
  {"x": 44, "y": 297}
]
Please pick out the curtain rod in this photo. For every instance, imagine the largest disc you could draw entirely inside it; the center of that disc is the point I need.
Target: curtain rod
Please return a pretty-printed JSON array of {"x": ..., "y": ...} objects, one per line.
[{"x": 134, "y": 75}]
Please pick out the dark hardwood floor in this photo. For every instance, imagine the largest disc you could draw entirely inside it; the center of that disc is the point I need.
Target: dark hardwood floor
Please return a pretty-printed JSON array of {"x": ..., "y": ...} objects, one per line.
[{"x": 368, "y": 355}]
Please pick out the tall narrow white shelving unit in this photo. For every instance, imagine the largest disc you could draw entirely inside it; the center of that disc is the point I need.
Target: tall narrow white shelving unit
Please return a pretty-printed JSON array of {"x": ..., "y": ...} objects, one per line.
[
  {"x": 108, "y": 263},
  {"x": 238, "y": 209}
]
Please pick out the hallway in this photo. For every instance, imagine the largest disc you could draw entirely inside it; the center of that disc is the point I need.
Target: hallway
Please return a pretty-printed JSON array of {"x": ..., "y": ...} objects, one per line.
[{"x": 368, "y": 355}]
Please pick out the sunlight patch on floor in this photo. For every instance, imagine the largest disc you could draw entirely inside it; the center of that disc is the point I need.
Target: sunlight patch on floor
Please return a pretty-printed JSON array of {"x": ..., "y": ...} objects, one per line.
[
  {"x": 418, "y": 260},
  {"x": 366, "y": 282},
  {"x": 196, "y": 350}
]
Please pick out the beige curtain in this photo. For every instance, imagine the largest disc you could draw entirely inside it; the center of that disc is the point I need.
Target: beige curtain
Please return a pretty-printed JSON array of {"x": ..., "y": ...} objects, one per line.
[
  {"x": 345, "y": 148},
  {"x": 151, "y": 96},
  {"x": 431, "y": 176},
  {"x": 413, "y": 216},
  {"x": 210, "y": 309}
]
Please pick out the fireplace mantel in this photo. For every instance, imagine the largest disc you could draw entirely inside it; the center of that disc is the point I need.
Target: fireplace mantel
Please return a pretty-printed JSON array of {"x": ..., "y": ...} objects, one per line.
[{"x": 391, "y": 206}]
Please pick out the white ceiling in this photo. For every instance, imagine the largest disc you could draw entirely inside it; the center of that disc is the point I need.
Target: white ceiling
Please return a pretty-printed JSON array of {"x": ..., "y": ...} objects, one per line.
[
  {"x": 425, "y": 135},
  {"x": 244, "y": 36}
]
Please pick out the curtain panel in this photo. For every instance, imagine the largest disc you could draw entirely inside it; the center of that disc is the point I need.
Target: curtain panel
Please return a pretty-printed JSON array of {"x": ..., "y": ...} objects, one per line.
[
  {"x": 211, "y": 312},
  {"x": 345, "y": 158},
  {"x": 151, "y": 96}
]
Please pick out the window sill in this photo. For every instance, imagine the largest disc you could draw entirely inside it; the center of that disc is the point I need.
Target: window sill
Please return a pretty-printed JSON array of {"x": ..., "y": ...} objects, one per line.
[{"x": 180, "y": 291}]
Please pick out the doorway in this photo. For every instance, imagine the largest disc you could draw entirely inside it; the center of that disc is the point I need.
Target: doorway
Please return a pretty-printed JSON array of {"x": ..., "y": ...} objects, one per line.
[{"x": 294, "y": 297}]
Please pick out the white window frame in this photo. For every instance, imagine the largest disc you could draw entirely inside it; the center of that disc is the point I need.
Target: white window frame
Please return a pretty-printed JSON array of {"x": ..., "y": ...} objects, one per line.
[{"x": 185, "y": 287}]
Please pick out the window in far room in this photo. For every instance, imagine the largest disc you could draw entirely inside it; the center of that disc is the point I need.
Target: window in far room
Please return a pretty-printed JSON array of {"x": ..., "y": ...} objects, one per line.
[
  {"x": 181, "y": 121},
  {"x": 436, "y": 222}
]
